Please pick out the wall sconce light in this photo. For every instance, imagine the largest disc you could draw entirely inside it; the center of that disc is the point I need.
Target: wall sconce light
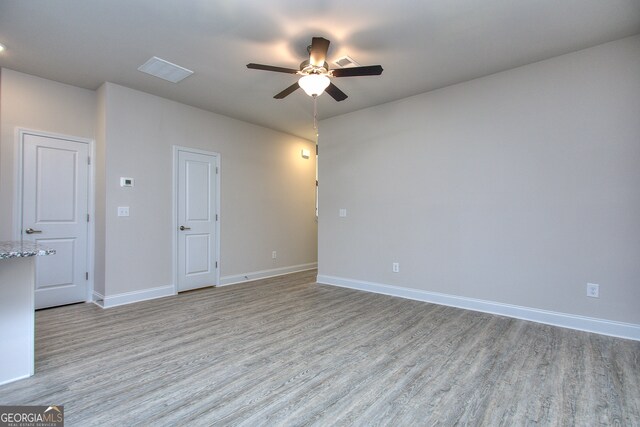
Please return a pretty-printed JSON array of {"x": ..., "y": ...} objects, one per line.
[{"x": 305, "y": 153}]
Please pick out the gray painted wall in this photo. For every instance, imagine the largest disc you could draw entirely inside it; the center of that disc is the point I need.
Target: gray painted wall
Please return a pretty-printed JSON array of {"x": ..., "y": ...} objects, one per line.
[
  {"x": 267, "y": 190},
  {"x": 517, "y": 188},
  {"x": 99, "y": 269}
]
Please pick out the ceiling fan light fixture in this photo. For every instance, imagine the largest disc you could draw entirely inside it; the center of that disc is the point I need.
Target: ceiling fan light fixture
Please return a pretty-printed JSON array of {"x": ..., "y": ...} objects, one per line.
[{"x": 314, "y": 84}]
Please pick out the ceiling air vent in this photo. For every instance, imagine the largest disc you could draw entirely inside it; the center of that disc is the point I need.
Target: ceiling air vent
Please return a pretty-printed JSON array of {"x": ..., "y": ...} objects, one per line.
[
  {"x": 165, "y": 70},
  {"x": 346, "y": 62}
]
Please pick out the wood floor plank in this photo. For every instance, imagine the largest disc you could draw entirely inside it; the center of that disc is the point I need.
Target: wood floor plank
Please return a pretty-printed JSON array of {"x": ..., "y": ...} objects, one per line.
[{"x": 287, "y": 351}]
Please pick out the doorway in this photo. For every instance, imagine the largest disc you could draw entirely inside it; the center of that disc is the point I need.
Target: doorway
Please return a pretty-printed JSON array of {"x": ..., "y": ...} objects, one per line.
[
  {"x": 197, "y": 226},
  {"x": 54, "y": 211}
]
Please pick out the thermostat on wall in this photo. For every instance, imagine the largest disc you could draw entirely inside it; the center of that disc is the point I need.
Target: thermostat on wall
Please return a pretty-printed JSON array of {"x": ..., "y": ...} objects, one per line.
[{"x": 126, "y": 182}]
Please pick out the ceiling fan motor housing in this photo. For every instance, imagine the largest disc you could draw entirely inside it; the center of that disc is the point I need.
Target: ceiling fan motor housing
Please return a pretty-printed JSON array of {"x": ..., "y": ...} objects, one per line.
[{"x": 307, "y": 68}]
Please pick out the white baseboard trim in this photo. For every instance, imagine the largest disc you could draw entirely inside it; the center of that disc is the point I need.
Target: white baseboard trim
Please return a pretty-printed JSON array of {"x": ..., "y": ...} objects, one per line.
[
  {"x": 98, "y": 299},
  {"x": 131, "y": 297},
  {"x": 263, "y": 274},
  {"x": 571, "y": 321},
  {"x": 21, "y": 377}
]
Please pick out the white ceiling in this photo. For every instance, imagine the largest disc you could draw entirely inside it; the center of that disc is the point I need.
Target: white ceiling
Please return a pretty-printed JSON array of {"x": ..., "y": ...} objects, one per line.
[{"x": 422, "y": 45}]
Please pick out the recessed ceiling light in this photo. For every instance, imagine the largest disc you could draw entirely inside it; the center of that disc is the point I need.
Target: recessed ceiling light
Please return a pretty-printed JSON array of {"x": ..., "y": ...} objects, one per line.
[
  {"x": 165, "y": 70},
  {"x": 1, "y": 47}
]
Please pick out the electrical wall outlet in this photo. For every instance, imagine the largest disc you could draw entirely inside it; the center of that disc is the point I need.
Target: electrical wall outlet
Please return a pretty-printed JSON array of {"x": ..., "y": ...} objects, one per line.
[
  {"x": 593, "y": 290},
  {"x": 274, "y": 255},
  {"x": 395, "y": 267}
]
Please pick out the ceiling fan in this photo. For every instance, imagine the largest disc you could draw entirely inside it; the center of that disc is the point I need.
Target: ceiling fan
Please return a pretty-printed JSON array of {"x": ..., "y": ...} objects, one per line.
[{"x": 315, "y": 73}]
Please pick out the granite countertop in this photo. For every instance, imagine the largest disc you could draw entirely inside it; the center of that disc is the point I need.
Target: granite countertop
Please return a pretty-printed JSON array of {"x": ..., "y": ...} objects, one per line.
[{"x": 17, "y": 249}]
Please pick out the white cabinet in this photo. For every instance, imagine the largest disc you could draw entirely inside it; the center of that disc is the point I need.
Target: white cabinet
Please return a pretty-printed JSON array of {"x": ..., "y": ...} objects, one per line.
[{"x": 17, "y": 276}]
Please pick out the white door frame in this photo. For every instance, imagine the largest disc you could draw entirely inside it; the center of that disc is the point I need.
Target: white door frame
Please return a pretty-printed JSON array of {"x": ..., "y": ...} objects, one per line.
[
  {"x": 174, "y": 216},
  {"x": 18, "y": 193}
]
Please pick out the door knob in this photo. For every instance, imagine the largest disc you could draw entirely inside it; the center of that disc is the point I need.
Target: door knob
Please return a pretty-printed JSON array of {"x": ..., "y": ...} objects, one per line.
[
  {"x": 182, "y": 228},
  {"x": 32, "y": 231}
]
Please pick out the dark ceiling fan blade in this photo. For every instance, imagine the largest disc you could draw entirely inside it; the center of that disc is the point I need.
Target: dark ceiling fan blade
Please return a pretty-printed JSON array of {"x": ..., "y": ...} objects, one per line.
[
  {"x": 288, "y": 91},
  {"x": 318, "y": 52},
  {"x": 369, "y": 70},
  {"x": 335, "y": 93},
  {"x": 271, "y": 68}
]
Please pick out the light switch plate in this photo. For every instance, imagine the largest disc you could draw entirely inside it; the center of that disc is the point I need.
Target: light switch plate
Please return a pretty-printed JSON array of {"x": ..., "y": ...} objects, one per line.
[
  {"x": 342, "y": 212},
  {"x": 126, "y": 182}
]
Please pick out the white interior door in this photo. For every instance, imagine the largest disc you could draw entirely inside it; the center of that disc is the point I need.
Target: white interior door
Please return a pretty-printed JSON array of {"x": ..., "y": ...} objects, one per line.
[
  {"x": 197, "y": 217},
  {"x": 55, "y": 175}
]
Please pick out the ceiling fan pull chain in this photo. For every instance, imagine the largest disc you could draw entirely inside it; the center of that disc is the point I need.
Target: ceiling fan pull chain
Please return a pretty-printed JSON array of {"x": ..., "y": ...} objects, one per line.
[{"x": 315, "y": 112}]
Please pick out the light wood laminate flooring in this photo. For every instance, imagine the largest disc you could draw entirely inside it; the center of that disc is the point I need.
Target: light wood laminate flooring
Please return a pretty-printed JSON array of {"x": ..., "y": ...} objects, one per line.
[{"x": 287, "y": 351}]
